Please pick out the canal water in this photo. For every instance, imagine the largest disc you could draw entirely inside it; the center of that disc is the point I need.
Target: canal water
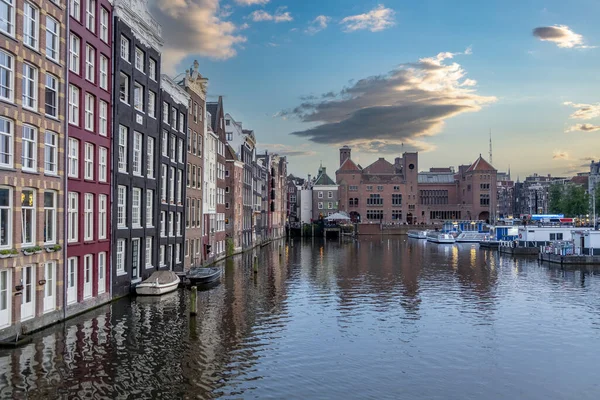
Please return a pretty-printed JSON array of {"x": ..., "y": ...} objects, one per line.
[{"x": 368, "y": 319}]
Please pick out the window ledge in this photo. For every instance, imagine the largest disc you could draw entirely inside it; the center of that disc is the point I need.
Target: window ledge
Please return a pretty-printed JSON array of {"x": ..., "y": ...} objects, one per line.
[
  {"x": 121, "y": 273},
  {"x": 30, "y": 172}
]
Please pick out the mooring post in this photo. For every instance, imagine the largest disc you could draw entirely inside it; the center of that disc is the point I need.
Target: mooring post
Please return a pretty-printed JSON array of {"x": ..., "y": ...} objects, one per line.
[
  {"x": 255, "y": 265},
  {"x": 193, "y": 298}
]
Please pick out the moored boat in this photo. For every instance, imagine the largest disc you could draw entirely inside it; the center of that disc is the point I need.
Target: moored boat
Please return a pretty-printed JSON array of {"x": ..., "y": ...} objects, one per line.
[
  {"x": 472, "y": 237},
  {"x": 160, "y": 282},
  {"x": 440, "y": 237},
  {"x": 417, "y": 234},
  {"x": 202, "y": 276}
]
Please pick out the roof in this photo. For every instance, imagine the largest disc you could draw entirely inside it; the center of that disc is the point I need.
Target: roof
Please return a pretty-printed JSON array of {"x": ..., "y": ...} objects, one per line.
[
  {"x": 323, "y": 179},
  {"x": 480, "y": 165},
  {"x": 381, "y": 166},
  {"x": 213, "y": 108},
  {"x": 230, "y": 153},
  {"x": 348, "y": 165},
  {"x": 580, "y": 180},
  {"x": 436, "y": 177}
]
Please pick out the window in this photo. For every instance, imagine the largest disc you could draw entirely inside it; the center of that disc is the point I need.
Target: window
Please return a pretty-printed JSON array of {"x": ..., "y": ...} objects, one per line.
[
  {"x": 89, "y": 112},
  {"x": 30, "y": 25},
  {"x": 189, "y": 174},
  {"x": 7, "y": 17},
  {"x": 124, "y": 88},
  {"x": 51, "y": 97},
  {"x": 181, "y": 120},
  {"x": 380, "y": 188},
  {"x": 30, "y": 87},
  {"x": 124, "y": 48},
  {"x": 102, "y": 216},
  {"x": 179, "y": 185},
  {"x": 195, "y": 139},
  {"x": 50, "y": 217},
  {"x": 195, "y": 112},
  {"x": 104, "y": 24},
  {"x": 6, "y": 74},
  {"x": 137, "y": 153},
  {"x": 103, "y": 119},
  {"x": 150, "y": 159},
  {"x": 375, "y": 200},
  {"x": 396, "y": 199},
  {"x": 148, "y": 252},
  {"x": 103, "y": 72},
  {"x": 120, "y": 257},
  {"x": 88, "y": 161},
  {"x": 122, "y": 148},
  {"x": 139, "y": 59},
  {"x": 161, "y": 256},
  {"x": 173, "y": 118},
  {"x": 187, "y": 212},
  {"x": 173, "y": 147},
  {"x": 178, "y": 226},
  {"x": 73, "y": 168},
  {"x": 180, "y": 151},
  {"x": 152, "y": 69},
  {"x": 149, "y": 209},
  {"x": 484, "y": 199},
  {"x": 193, "y": 176},
  {"x": 320, "y": 195},
  {"x": 74, "y": 50},
  {"x": 73, "y": 105},
  {"x": 177, "y": 253},
  {"x": 102, "y": 164},
  {"x": 138, "y": 97},
  {"x": 165, "y": 112},
  {"x": 52, "y": 38},
  {"x": 136, "y": 204},
  {"x": 88, "y": 217},
  {"x": 101, "y": 272},
  {"x": 121, "y": 204},
  {"x": 164, "y": 144},
  {"x": 90, "y": 11},
  {"x": 29, "y": 148},
  {"x": 73, "y": 217},
  {"x": 6, "y": 215},
  {"x": 163, "y": 231},
  {"x": 75, "y": 10},
  {"x": 320, "y": 205},
  {"x": 172, "y": 185},
  {"x": 375, "y": 214},
  {"x": 171, "y": 232},
  {"x": 51, "y": 153},
  {"x": 90, "y": 62},
  {"x": 151, "y": 104},
  {"x": 163, "y": 183}
]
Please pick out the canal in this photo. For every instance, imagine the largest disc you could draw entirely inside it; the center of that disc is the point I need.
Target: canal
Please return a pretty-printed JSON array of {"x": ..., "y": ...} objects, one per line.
[{"x": 360, "y": 319}]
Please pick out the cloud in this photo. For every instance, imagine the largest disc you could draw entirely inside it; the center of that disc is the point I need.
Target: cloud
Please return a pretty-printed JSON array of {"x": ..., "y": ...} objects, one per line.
[
  {"x": 403, "y": 106},
  {"x": 194, "y": 27},
  {"x": 377, "y": 19},
  {"x": 562, "y": 35},
  {"x": 584, "y": 128},
  {"x": 589, "y": 159},
  {"x": 272, "y": 44},
  {"x": 251, "y": 2},
  {"x": 286, "y": 150},
  {"x": 318, "y": 24},
  {"x": 279, "y": 16},
  {"x": 560, "y": 155},
  {"x": 584, "y": 111}
]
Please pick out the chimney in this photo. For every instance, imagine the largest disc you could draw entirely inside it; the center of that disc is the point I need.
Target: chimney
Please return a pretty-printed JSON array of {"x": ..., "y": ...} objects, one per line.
[{"x": 397, "y": 161}]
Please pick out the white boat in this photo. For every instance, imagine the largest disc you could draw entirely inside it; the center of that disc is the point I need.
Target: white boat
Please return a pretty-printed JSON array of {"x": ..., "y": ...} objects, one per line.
[
  {"x": 472, "y": 237},
  {"x": 160, "y": 282},
  {"x": 417, "y": 234},
  {"x": 440, "y": 237}
]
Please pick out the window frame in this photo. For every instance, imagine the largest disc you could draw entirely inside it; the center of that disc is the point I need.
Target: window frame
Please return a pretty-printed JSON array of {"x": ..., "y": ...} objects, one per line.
[
  {"x": 52, "y": 37},
  {"x": 52, "y": 147},
  {"x": 137, "y": 153},
  {"x": 73, "y": 217},
  {"x": 88, "y": 217},
  {"x": 10, "y": 73},
  {"x": 74, "y": 53},
  {"x": 104, "y": 67},
  {"x": 74, "y": 100},
  {"x": 88, "y": 161},
  {"x": 102, "y": 216},
  {"x": 73, "y": 158},
  {"x": 50, "y": 213},
  {"x": 31, "y": 24},
  {"x": 90, "y": 63},
  {"x": 52, "y": 92},
  {"x": 103, "y": 118},
  {"x": 8, "y": 210},
  {"x": 31, "y": 148},
  {"x": 10, "y": 21},
  {"x": 30, "y": 84},
  {"x": 121, "y": 207},
  {"x": 102, "y": 164},
  {"x": 136, "y": 208},
  {"x": 90, "y": 105}
]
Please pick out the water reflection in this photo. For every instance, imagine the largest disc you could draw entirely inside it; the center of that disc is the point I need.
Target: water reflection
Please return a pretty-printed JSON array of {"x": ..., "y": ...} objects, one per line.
[{"x": 319, "y": 319}]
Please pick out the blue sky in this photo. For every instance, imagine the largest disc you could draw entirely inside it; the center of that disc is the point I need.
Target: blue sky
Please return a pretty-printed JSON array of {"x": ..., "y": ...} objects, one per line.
[{"x": 263, "y": 58}]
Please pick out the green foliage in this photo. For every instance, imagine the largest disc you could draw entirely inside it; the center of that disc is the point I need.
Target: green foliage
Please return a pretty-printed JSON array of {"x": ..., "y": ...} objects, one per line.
[
  {"x": 570, "y": 200},
  {"x": 555, "y": 194}
]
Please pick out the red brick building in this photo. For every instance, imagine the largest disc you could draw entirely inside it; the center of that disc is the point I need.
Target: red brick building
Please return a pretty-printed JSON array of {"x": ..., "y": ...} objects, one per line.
[{"x": 234, "y": 198}]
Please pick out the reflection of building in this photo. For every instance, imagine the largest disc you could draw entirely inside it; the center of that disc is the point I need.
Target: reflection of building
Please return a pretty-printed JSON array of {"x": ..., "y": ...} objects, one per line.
[{"x": 397, "y": 193}]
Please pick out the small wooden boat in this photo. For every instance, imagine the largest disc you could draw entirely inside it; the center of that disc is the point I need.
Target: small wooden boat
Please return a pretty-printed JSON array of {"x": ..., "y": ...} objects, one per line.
[
  {"x": 417, "y": 234},
  {"x": 202, "y": 276},
  {"x": 160, "y": 282}
]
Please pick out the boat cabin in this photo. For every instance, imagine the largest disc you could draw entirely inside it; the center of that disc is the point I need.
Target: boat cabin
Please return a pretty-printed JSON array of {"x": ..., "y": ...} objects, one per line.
[
  {"x": 586, "y": 242},
  {"x": 535, "y": 236}
]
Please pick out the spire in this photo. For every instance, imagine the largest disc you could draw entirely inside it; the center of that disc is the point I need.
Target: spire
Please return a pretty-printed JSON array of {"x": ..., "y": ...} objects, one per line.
[
  {"x": 509, "y": 172},
  {"x": 491, "y": 161}
]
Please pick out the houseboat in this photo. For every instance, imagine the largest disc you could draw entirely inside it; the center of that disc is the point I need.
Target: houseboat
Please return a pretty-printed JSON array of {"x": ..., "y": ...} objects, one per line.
[
  {"x": 440, "y": 237},
  {"x": 472, "y": 237},
  {"x": 541, "y": 235},
  {"x": 417, "y": 234}
]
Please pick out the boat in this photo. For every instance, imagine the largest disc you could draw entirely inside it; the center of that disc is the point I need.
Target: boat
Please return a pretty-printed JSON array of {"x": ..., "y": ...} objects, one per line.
[
  {"x": 202, "y": 276},
  {"x": 160, "y": 282},
  {"x": 472, "y": 237},
  {"x": 417, "y": 234},
  {"x": 440, "y": 237}
]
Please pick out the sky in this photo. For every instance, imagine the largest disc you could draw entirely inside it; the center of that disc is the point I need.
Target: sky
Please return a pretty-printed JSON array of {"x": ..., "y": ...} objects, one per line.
[{"x": 383, "y": 77}]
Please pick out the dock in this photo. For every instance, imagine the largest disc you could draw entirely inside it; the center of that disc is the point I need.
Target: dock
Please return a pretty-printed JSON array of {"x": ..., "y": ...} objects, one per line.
[{"x": 570, "y": 259}]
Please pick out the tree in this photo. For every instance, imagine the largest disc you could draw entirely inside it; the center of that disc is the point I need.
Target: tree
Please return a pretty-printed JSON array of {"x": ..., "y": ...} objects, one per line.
[
  {"x": 575, "y": 201},
  {"x": 555, "y": 194}
]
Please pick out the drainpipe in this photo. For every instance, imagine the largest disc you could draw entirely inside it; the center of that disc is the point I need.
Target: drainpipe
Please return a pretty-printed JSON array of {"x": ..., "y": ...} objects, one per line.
[{"x": 65, "y": 158}]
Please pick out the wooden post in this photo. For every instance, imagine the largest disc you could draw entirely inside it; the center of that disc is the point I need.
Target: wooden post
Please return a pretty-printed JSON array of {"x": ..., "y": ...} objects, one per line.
[
  {"x": 255, "y": 265},
  {"x": 193, "y": 298}
]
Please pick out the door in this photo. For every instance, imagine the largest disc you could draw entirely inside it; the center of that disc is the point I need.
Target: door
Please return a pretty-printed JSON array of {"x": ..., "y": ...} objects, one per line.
[
  {"x": 50, "y": 286},
  {"x": 101, "y": 273},
  {"x": 135, "y": 261},
  {"x": 72, "y": 280},
  {"x": 5, "y": 298},
  {"x": 87, "y": 276},
  {"x": 28, "y": 296}
]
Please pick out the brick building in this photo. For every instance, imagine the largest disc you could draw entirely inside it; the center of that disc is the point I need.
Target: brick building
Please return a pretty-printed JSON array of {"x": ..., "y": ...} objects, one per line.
[
  {"x": 32, "y": 134},
  {"x": 216, "y": 221},
  {"x": 234, "y": 198},
  {"x": 88, "y": 155},
  {"x": 195, "y": 86}
]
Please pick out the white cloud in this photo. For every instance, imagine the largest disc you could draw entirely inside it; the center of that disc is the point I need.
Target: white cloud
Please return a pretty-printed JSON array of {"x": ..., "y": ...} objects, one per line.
[
  {"x": 287, "y": 150},
  {"x": 279, "y": 16},
  {"x": 560, "y": 155},
  {"x": 562, "y": 35},
  {"x": 318, "y": 24},
  {"x": 251, "y": 2},
  {"x": 583, "y": 128},
  {"x": 584, "y": 111},
  {"x": 194, "y": 27},
  {"x": 377, "y": 19}
]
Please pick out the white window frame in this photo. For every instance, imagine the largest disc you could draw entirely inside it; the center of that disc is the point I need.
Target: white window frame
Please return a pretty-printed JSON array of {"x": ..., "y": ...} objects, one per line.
[
  {"x": 151, "y": 104},
  {"x": 152, "y": 68},
  {"x": 124, "y": 94},
  {"x": 125, "y": 45},
  {"x": 138, "y": 96},
  {"x": 103, "y": 118},
  {"x": 52, "y": 39},
  {"x": 172, "y": 185},
  {"x": 7, "y": 68},
  {"x": 149, "y": 208},
  {"x": 139, "y": 59},
  {"x": 104, "y": 21},
  {"x": 103, "y": 72},
  {"x": 171, "y": 225},
  {"x": 163, "y": 223},
  {"x": 101, "y": 272},
  {"x": 173, "y": 147},
  {"x": 120, "y": 258},
  {"x": 31, "y": 25},
  {"x": 90, "y": 15},
  {"x": 178, "y": 224},
  {"x": 136, "y": 208},
  {"x": 174, "y": 118},
  {"x": 75, "y": 9},
  {"x": 73, "y": 105},
  {"x": 52, "y": 88},
  {"x": 150, "y": 146},
  {"x": 148, "y": 256},
  {"x": 122, "y": 148},
  {"x": 29, "y": 148},
  {"x": 137, "y": 153},
  {"x": 88, "y": 217},
  {"x": 73, "y": 158},
  {"x": 121, "y": 207},
  {"x": 179, "y": 188},
  {"x": 50, "y": 220},
  {"x": 163, "y": 183},
  {"x": 74, "y": 51},
  {"x": 161, "y": 256},
  {"x": 165, "y": 116},
  {"x": 10, "y": 18},
  {"x": 180, "y": 151},
  {"x": 88, "y": 161},
  {"x": 7, "y": 212},
  {"x": 102, "y": 164},
  {"x": 177, "y": 253},
  {"x": 51, "y": 153},
  {"x": 73, "y": 217},
  {"x": 30, "y": 87},
  {"x": 7, "y": 145},
  {"x": 164, "y": 144},
  {"x": 90, "y": 103},
  {"x": 181, "y": 119},
  {"x": 90, "y": 63},
  {"x": 102, "y": 216}
]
